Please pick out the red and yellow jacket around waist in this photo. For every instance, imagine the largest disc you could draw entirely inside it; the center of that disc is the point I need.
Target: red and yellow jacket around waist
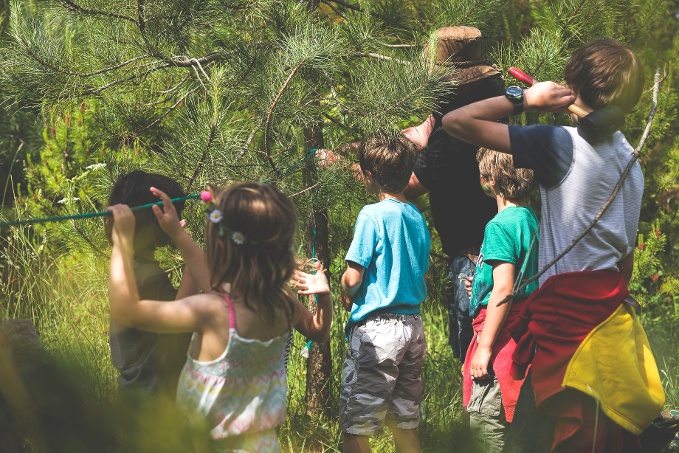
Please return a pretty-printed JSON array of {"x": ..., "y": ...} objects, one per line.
[{"x": 577, "y": 334}]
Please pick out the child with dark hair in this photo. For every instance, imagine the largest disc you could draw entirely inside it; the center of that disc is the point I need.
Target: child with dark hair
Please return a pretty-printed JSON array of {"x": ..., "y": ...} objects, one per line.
[
  {"x": 384, "y": 280},
  {"x": 593, "y": 384},
  {"x": 233, "y": 380},
  {"x": 509, "y": 249},
  {"x": 148, "y": 362}
]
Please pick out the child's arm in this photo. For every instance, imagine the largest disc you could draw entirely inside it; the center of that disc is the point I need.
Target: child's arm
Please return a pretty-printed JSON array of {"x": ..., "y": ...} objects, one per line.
[
  {"x": 351, "y": 282},
  {"x": 315, "y": 326},
  {"x": 184, "y": 315},
  {"x": 503, "y": 283},
  {"x": 477, "y": 123},
  {"x": 194, "y": 256},
  {"x": 188, "y": 286}
]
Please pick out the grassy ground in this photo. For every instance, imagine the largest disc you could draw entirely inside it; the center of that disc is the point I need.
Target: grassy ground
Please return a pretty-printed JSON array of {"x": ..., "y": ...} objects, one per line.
[{"x": 65, "y": 296}]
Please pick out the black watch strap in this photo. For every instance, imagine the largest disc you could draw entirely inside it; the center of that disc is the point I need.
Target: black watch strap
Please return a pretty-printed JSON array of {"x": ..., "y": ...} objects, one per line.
[{"x": 515, "y": 96}]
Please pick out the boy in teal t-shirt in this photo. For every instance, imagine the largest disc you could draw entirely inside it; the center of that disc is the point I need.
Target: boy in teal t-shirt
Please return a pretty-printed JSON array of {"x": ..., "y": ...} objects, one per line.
[
  {"x": 384, "y": 287},
  {"x": 507, "y": 238},
  {"x": 509, "y": 249}
]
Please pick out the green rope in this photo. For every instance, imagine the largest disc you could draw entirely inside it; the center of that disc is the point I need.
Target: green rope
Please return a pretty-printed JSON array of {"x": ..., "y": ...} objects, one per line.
[{"x": 89, "y": 215}]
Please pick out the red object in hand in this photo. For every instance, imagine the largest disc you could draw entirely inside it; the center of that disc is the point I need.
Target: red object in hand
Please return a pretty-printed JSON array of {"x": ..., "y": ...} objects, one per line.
[{"x": 521, "y": 76}]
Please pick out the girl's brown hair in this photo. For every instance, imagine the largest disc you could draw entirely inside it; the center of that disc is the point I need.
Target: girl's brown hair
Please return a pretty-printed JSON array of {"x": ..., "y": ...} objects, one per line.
[{"x": 251, "y": 247}]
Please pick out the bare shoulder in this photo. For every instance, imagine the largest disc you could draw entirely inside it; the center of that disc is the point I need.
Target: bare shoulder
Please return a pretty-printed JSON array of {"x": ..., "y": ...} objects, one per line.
[{"x": 209, "y": 306}]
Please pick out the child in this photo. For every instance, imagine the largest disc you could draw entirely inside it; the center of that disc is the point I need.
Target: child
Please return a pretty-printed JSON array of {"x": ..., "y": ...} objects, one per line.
[
  {"x": 592, "y": 378},
  {"x": 509, "y": 248},
  {"x": 234, "y": 377},
  {"x": 387, "y": 260},
  {"x": 148, "y": 363}
]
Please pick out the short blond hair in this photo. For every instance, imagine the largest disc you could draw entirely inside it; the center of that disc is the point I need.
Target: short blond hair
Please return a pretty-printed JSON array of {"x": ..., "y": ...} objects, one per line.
[{"x": 510, "y": 182}]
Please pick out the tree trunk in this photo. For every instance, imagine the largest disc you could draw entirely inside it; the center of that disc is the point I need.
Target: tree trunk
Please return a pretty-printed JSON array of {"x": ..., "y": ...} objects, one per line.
[{"x": 319, "y": 366}]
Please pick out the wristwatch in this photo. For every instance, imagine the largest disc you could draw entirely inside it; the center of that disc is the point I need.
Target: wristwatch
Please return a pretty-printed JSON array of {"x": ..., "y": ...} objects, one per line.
[{"x": 515, "y": 95}]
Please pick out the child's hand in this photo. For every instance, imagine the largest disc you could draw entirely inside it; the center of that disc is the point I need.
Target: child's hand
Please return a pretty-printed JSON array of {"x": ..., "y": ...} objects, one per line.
[
  {"x": 308, "y": 284},
  {"x": 480, "y": 361},
  {"x": 325, "y": 158},
  {"x": 123, "y": 222},
  {"x": 167, "y": 216},
  {"x": 548, "y": 97},
  {"x": 346, "y": 301},
  {"x": 468, "y": 281}
]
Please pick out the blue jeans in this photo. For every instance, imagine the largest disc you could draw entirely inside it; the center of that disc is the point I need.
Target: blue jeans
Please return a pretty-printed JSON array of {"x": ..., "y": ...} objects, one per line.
[{"x": 459, "y": 321}]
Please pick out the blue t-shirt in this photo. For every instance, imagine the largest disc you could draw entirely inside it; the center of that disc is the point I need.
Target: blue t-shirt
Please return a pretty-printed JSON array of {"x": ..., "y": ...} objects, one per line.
[{"x": 391, "y": 242}]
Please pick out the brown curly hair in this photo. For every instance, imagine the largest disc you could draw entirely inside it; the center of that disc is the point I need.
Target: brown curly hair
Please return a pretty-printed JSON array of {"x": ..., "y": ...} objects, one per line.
[{"x": 260, "y": 260}]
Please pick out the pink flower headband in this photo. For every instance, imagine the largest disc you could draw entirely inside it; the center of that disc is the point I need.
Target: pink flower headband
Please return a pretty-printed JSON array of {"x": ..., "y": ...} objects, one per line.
[{"x": 216, "y": 217}]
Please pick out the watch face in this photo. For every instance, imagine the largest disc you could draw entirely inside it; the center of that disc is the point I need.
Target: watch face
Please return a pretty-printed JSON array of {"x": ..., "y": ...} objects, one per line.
[{"x": 514, "y": 92}]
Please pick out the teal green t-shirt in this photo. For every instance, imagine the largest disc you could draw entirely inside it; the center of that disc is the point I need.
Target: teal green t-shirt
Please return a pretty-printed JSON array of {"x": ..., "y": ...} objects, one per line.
[{"x": 507, "y": 239}]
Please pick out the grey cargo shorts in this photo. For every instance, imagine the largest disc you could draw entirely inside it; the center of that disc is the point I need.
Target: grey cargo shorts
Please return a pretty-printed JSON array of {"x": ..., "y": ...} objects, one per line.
[{"x": 382, "y": 374}]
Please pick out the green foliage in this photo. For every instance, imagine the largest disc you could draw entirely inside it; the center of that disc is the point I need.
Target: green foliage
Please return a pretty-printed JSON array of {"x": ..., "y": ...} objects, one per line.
[{"x": 213, "y": 91}]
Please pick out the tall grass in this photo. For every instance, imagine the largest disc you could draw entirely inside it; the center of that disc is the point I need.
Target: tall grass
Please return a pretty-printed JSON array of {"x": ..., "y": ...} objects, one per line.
[{"x": 63, "y": 292}]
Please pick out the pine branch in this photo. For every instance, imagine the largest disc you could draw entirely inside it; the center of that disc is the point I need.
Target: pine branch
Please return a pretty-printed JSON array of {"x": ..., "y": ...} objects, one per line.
[
  {"x": 380, "y": 57},
  {"x": 296, "y": 194},
  {"x": 201, "y": 162},
  {"x": 191, "y": 62},
  {"x": 141, "y": 23},
  {"x": 609, "y": 200},
  {"x": 332, "y": 7},
  {"x": 351, "y": 6},
  {"x": 399, "y": 46},
  {"x": 174, "y": 88},
  {"x": 38, "y": 59},
  {"x": 338, "y": 123},
  {"x": 170, "y": 110},
  {"x": 73, "y": 6},
  {"x": 125, "y": 79},
  {"x": 269, "y": 116}
]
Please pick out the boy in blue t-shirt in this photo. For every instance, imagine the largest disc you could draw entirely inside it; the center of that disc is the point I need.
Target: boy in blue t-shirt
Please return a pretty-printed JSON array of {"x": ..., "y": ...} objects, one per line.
[
  {"x": 384, "y": 281},
  {"x": 509, "y": 249}
]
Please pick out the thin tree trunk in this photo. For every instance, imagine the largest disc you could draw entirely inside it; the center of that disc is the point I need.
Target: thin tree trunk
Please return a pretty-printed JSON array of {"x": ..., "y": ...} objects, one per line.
[{"x": 319, "y": 366}]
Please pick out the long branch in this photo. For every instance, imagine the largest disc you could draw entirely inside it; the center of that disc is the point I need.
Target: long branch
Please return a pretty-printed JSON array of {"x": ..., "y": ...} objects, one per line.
[
  {"x": 73, "y": 6},
  {"x": 332, "y": 7},
  {"x": 352, "y": 6},
  {"x": 171, "y": 109},
  {"x": 201, "y": 162},
  {"x": 269, "y": 115},
  {"x": 609, "y": 200},
  {"x": 125, "y": 79},
  {"x": 379, "y": 56},
  {"x": 38, "y": 59}
]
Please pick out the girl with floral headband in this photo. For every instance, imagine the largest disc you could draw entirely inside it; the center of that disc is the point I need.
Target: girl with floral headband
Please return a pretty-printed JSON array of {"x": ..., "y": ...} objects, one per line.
[{"x": 234, "y": 377}]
